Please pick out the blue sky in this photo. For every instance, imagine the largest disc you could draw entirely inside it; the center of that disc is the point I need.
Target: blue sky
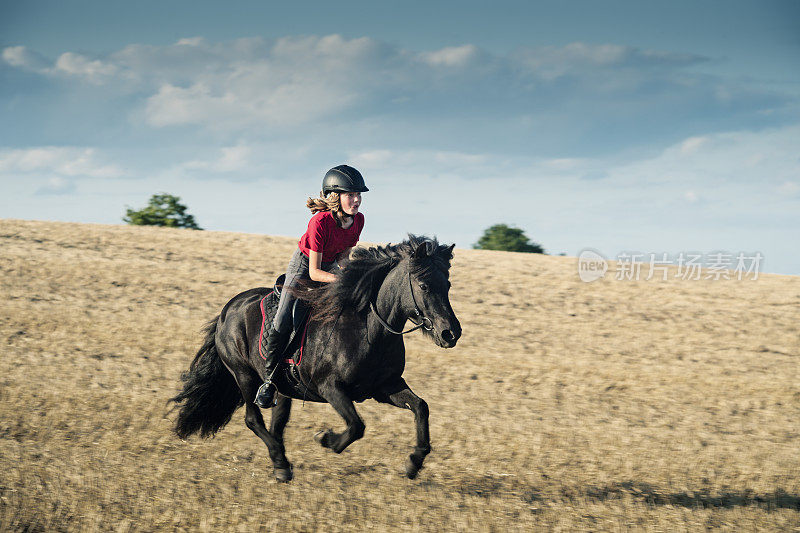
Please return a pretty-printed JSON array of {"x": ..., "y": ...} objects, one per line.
[{"x": 620, "y": 126}]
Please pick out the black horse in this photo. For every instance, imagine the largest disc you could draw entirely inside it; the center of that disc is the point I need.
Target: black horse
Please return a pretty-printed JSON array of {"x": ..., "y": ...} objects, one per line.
[{"x": 353, "y": 350}]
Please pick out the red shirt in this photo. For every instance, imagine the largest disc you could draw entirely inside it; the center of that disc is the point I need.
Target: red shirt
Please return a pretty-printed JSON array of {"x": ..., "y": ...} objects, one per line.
[{"x": 324, "y": 235}]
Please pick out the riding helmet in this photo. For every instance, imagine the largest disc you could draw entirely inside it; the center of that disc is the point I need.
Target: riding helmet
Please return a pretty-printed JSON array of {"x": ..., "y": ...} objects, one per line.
[{"x": 343, "y": 179}]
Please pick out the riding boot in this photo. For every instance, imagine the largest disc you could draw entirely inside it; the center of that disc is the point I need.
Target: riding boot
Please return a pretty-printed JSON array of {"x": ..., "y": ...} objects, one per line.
[{"x": 276, "y": 344}]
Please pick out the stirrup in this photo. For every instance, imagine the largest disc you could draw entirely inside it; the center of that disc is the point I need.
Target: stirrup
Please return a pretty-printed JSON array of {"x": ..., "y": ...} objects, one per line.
[{"x": 266, "y": 396}]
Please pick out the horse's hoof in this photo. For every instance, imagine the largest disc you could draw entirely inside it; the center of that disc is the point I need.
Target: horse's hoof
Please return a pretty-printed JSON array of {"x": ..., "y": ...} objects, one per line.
[
  {"x": 284, "y": 475},
  {"x": 412, "y": 468},
  {"x": 320, "y": 437}
]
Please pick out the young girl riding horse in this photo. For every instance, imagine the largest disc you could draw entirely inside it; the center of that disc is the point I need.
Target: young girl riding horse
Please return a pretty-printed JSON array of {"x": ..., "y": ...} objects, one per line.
[{"x": 332, "y": 232}]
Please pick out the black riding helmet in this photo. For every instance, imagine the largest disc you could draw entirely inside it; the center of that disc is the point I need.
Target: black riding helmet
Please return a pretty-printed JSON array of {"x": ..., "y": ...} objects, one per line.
[{"x": 343, "y": 179}]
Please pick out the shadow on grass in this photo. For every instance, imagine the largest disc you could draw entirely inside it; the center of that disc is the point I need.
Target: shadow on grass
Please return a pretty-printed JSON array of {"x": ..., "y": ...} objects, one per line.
[
  {"x": 699, "y": 499},
  {"x": 489, "y": 486}
]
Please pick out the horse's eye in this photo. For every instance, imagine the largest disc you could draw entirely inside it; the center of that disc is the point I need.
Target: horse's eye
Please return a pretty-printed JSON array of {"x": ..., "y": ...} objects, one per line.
[{"x": 424, "y": 287}]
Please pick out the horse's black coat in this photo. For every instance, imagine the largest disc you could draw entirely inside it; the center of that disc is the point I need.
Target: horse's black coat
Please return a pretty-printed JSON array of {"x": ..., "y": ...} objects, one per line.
[{"x": 348, "y": 356}]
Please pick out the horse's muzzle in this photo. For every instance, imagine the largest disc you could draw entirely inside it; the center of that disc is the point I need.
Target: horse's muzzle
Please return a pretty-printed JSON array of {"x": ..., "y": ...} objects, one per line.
[{"x": 449, "y": 337}]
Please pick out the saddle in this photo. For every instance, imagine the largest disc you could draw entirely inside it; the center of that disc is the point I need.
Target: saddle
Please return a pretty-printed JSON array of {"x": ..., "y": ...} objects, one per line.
[
  {"x": 299, "y": 308},
  {"x": 269, "y": 306},
  {"x": 288, "y": 379}
]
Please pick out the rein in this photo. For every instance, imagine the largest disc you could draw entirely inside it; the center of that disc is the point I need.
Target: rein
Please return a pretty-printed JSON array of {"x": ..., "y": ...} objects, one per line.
[{"x": 417, "y": 313}]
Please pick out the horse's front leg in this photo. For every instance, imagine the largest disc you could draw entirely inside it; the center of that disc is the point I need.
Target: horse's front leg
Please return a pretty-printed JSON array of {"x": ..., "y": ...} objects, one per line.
[
  {"x": 344, "y": 406},
  {"x": 406, "y": 399},
  {"x": 280, "y": 416}
]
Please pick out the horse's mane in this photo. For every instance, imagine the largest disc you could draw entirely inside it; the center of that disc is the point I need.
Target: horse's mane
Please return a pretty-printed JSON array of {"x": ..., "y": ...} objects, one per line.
[{"x": 356, "y": 286}]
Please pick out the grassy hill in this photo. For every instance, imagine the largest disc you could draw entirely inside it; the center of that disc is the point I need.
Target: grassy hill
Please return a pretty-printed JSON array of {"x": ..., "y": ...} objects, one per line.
[{"x": 658, "y": 405}]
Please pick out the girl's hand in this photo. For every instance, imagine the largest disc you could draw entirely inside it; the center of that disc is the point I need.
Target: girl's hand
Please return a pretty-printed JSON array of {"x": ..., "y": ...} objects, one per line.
[{"x": 343, "y": 258}]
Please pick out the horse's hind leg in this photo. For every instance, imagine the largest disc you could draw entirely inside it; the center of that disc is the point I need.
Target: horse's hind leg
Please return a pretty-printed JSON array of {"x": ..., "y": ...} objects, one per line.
[
  {"x": 355, "y": 426},
  {"x": 249, "y": 383},
  {"x": 281, "y": 465},
  {"x": 406, "y": 399}
]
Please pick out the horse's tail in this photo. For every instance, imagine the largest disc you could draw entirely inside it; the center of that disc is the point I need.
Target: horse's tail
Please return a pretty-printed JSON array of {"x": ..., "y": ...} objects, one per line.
[{"x": 210, "y": 394}]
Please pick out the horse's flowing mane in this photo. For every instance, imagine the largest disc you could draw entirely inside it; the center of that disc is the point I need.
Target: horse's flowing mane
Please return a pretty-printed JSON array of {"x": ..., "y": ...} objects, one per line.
[{"x": 357, "y": 285}]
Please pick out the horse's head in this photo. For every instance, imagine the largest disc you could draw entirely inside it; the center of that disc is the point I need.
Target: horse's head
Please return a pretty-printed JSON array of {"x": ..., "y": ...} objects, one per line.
[
  {"x": 425, "y": 296},
  {"x": 412, "y": 276}
]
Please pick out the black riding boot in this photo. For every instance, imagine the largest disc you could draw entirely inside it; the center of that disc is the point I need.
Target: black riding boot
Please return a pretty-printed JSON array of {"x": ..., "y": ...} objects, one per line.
[{"x": 276, "y": 344}]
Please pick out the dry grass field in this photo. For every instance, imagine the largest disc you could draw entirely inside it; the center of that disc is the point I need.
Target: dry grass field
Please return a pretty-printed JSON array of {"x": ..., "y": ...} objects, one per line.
[{"x": 614, "y": 405}]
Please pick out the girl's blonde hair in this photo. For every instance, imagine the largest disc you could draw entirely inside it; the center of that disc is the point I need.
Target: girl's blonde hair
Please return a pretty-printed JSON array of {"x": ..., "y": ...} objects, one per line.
[{"x": 330, "y": 203}]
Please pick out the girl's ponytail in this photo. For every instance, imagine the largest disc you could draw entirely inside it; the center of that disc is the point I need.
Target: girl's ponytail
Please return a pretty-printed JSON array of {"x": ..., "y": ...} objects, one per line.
[{"x": 329, "y": 203}]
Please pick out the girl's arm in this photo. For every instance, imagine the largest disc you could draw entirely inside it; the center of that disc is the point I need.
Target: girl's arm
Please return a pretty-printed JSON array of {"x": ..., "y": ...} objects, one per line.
[{"x": 314, "y": 270}]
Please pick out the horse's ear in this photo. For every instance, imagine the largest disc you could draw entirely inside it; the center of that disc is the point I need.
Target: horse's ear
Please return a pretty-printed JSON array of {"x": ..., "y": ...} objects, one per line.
[
  {"x": 421, "y": 251},
  {"x": 450, "y": 248}
]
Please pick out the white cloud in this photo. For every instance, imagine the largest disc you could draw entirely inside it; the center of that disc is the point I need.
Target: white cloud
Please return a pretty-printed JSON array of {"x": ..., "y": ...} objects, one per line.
[
  {"x": 553, "y": 62},
  {"x": 295, "y": 81},
  {"x": 564, "y": 163},
  {"x": 418, "y": 165},
  {"x": 70, "y": 162},
  {"x": 231, "y": 159},
  {"x": 195, "y": 58},
  {"x": 695, "y": 169},
  {"x": 16, "y": 56},
  {"x": 95, "y": 71},
  {"x": 765, "y": 156},
  {"x": 68, "y": 64},
  {"x": 21, "y": 57},
  {"x": 249, "y": 162},
  {"x": 57, "y": 185},
  {"x": 250, "y": 97},
  {"x": 190, "y": 41},
  {"x": 789, "y": 188},
  {"x": 176, "y": 105},
  {"x": 692, "y": 145},
  {"x": 256, "y": 84},
  {"x": 451, "y": 56},
  {"x": 234, "y": 158}
]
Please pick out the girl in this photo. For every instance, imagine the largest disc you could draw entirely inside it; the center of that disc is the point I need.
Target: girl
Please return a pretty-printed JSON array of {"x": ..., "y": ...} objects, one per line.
[{"x": 332, "y": 232}]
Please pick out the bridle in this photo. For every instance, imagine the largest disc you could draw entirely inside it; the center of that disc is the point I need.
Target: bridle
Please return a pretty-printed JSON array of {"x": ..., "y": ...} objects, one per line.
[{"x": 417, "y": 313}]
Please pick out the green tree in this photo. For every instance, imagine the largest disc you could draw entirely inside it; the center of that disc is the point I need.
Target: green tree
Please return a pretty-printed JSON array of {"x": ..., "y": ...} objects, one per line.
[
  {"x": 162, "y": 210},
  {"x": 504, "y": 237}
]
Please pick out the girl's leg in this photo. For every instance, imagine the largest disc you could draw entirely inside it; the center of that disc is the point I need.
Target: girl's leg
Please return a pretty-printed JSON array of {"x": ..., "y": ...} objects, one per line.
[{"x": 281, "y": 329}]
